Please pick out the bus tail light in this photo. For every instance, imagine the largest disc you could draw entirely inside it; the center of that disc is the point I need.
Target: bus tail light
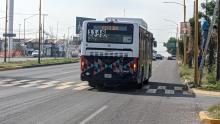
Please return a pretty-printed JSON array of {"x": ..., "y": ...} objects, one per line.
[
  {"x": 82, "y": 63},
  {"x": 134, "y": 66}
]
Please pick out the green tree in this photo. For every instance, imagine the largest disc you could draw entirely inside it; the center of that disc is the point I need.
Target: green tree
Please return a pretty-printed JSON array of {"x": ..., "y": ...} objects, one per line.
[
  {"x": 171, "y": 46},
  {"x": 210, "y": 6}
]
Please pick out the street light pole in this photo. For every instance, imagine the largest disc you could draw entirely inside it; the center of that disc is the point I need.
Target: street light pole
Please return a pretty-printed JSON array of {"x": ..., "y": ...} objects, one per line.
[
  {"x": 6, "y": 28},
  {"x": 218, "y": 58},
  {"x": 196, "y": 72},
  {"x": 184, "y": 37},
  {"x": 177, "y": 39},
  {"x": 19, "y": 32},
  {"x": 39, "y": 44}
]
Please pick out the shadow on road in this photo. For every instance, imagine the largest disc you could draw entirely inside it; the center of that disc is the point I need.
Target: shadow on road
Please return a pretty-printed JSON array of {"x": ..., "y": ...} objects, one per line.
[{"x": 151, "y": 89}]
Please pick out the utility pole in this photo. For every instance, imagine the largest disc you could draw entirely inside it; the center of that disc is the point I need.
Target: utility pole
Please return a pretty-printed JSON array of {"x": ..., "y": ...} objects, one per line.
[
  {"x": 177, "y": 44},
  {"x": 19, "y": 32},
  {"x": 196, "y": 72},
  {"x": 6, "y": 29},
  {"x": 39, "y": 44},
  {"x": 218, "y": 58},
  {"x": 57, "y": 31},
  {"x": 184, "y": 37}
]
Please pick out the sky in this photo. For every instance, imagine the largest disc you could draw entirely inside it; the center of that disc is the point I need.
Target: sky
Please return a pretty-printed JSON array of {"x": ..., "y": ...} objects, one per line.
[{"x": 62, "y": 13}]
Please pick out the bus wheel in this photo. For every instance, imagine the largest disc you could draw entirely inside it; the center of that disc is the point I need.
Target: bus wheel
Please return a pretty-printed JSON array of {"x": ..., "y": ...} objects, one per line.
[{"x": 92, "y": 84}]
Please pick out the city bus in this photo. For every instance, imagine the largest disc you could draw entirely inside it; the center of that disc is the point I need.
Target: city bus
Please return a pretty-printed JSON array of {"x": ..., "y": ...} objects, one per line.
[{"x": 117, "y": 51}]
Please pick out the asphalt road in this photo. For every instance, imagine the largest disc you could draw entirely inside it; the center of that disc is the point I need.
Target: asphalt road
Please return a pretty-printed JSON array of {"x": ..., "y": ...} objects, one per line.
[{"x": 55, "y": 95}]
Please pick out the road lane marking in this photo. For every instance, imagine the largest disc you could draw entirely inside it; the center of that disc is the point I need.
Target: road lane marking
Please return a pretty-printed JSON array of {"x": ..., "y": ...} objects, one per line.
[
  {"x": 32, "y": 83},
  {"x": 48, "y": 84},
  {"x": 169, "y": 92},
  {"x": 178, "y": 88},
  {"x": 161, "y": 87},
  {"x": 64, "y": 85},
  {"x": 81, "y": 88},
  {"x": 81, "y": 84},
  {"x": 15, "y": 83},
  {"x": 146, "y": 87},
  {"x": 93, "y": 115},
  {"x": 151, "y": 91},
  {"x": 6, "y": 81}
]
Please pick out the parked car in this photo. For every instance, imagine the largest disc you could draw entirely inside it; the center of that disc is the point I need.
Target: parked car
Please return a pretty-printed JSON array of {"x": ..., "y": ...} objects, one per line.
[
  {"x": 173, "y": 57},
  {"x": 154, "y": 57},
  {"x": 159, "y": 57},
  {"x": 35, "y": 53}
]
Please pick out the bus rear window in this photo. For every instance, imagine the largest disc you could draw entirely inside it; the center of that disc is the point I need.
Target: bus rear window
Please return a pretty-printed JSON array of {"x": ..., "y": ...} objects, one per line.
[{"x": 110, "y": 33}]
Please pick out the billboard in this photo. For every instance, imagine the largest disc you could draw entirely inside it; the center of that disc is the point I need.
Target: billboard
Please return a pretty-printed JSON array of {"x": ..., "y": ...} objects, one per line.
[{"x": 79, "y": 23}]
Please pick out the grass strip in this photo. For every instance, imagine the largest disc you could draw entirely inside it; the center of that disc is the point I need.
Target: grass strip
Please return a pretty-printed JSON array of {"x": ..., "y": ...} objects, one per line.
[{"x": 33, "y": 63}]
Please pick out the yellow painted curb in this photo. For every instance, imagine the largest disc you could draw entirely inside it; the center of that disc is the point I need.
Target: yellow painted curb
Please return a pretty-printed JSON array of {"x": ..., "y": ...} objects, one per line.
[
  {"x": 208, "y": 93},
  {"x": 203, "y": 115}
]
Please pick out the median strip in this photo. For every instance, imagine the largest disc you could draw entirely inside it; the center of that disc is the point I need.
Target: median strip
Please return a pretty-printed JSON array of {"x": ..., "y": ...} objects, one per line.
[{"x": 34, "y": 63}]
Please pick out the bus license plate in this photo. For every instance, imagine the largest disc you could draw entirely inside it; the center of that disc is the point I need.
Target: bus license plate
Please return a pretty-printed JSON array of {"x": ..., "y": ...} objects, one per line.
[{"x": 108, "y": 75}]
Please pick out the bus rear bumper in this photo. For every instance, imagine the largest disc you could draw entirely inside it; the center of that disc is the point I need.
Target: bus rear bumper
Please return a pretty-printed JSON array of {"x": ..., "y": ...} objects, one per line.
[{"x": 113, "y": 82}]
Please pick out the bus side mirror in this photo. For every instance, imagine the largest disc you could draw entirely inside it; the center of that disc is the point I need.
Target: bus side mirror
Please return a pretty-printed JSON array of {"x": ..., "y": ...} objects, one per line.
[{"x": 155, "y": 43}]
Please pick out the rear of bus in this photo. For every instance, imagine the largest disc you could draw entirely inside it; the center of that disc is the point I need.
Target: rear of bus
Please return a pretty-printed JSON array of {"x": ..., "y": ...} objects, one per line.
[{"x": 109, "y": 53}]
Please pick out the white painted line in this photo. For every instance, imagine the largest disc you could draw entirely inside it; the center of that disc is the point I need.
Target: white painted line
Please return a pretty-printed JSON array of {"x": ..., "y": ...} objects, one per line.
[
  {"x": 178, "y": 88},
  {"x": 169, "y": 92},
  {"x": 161, "y": 87},
  {"x": 186, "y": 93},
  {"x": 93, "y": 115},
  {"x": 151, "y": 91},
  {"x": 14, "y": 83},
  {"x": 6, "y": 81},
  {"x": 81, "y": 88},
  {"x": 34, "y": 82},
  {"x": 46, "y": 86},
  {"x": 28, "y": 85},
  {"x": 67, "y": 83},
  {"x": 81, "y": 84},
  {"x": 51, "y": 82},
  {"x": 146, "y": 87},
  {"x": 63, "y": 87}
]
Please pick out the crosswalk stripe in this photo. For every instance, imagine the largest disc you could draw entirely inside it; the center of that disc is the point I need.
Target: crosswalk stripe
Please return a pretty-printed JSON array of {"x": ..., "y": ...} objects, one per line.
[
  {"x": 64, "y": 85},
  {"x": 48, "y": 84},
  {"x": 6, "y": 81},
  {"x": 161, "y": 87},
  {"x": 81, "y": 88},
  {"x": 146, "y": 87},
  {"x": 81, "y": 84},
  {"x": 178, "y": 88},
  {"x": 28, "y": 85},
  {"x": 32, "y": 83},
  {"x": 14, "y": 83},
  {"x": 169, "y": 92},
  {"x": 185, "y": 93},
  {"x": 151, "y": 91}
]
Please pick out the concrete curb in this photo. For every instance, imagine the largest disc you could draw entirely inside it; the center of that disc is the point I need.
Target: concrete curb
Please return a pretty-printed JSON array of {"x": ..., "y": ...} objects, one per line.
[
  {"x": 202, "y": 92},
  {"x": 34, "y": 66},
  {"x": 203, "y": 115},
  {"x": 207, "y": 93}
]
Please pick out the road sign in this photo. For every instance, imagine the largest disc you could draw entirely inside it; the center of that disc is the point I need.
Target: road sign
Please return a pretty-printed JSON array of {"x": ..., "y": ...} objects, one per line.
[
  {"x": 9, "y": 35},
  {"x": 185, "y": 28},
  {"x": 79, "y": 23}
]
